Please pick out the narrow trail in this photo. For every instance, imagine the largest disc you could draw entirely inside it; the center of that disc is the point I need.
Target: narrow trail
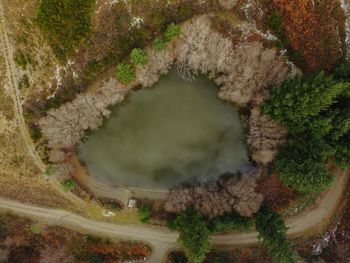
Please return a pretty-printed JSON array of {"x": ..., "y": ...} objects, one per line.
[
  {"x": 162, "y": 240},
  {"x": 8, "y": 51}
]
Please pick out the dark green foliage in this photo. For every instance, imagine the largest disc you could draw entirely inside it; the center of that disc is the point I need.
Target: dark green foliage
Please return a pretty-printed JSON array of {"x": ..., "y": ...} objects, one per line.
[
  {"x": 342, "y": 71},
  {"x": 66, "y": 23},
  {"x": 301, "y": 98},
  {"x": 144, "y": 213},
  {"x": 272, "y": 233},
  {"x": 3, "y": 230},
  {"x": 300, "y": 164},
  {"x": 194, "y": 234},
  {"x": 275, "y": 22},
  {"x": 138, "y": 57},
  {"x": 342, "y": 155},
  {"x": 125, "y": 73},
  {"x": 316, "y": 112},
  {"x": 178, "y": 258},
  {"x": 68, "y": 185},
  {"x": 171, "y": 32},
  {"x": 95, "y": 259},
  {"x": 223, "y": 258},
  {"x": 228, "y": 222}
]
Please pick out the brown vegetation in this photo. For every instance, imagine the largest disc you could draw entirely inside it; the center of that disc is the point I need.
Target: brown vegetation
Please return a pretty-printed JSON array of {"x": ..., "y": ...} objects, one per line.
[
  {"x": 19, "y": 243},
  {"x": 217, "y": 198},
  {"x": 313, "y": 31},
  {"x": 275, "y": 193}
]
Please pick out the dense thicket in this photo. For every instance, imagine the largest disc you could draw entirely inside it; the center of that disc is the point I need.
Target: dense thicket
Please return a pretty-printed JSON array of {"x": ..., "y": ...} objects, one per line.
[
  {"x": 213, "y": 199},
  {"x": 272, "y": 232},
  {"x": 65, "y": 23},
  {"x": 316, "y": 111},
  {"x": 194, "y": 234}
]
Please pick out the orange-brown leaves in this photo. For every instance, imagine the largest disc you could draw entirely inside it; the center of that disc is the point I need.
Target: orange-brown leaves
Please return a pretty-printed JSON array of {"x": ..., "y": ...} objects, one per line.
[
  {"x": 276, "y": 194},
  {"x": 312, "y": 31}
]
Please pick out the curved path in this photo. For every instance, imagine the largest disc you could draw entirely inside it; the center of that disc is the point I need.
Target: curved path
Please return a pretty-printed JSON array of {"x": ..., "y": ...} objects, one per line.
[{"x": 162, "y": 240}]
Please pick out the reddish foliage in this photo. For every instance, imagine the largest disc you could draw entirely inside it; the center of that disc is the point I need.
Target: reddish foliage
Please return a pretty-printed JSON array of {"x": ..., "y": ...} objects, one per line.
[
  {"x": 312, "y": 31},
  {"x": 276, "y": 194},
  {"x": 119, "y": 251}
]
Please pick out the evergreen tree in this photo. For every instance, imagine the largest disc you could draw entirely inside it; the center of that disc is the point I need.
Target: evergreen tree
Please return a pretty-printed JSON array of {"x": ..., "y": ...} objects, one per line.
[
  {"x": 272, "y": 232},
  {"x": 301, "y": 98},
  {"x": 194, "y": 234}
]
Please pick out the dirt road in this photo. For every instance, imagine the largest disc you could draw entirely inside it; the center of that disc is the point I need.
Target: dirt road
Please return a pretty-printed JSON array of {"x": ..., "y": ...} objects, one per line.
[{"x": 161, "y": 239}]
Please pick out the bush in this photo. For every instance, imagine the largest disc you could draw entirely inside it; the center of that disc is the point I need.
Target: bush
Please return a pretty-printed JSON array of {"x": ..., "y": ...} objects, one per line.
[
  {"x": 68, "y": 185},
  {"x": 159, "y": 44},
  {"x": 20, "y": 59},
  {"x": 3, "y": 230},
  {"x": 194, "y": 234},
  {"x": 125, "y": 73},
  {"x": 223, "y": 257},
  {"x": 35, "y": 229},
  {"x": 94, "y": 259},
  {"x": 144, "y": 213},
  {"x": 272, "y": 233},
  {"x": 230, "y": 222},
  {"x": 65, "y": 22},
  {"x": 138, "y": 57},
  {"x": 171, "y": 32}
]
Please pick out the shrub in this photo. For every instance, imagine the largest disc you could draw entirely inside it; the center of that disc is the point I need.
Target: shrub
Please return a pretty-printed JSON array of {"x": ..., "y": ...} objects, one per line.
[
  {"x": 229, "y": 222},
  {"x": 94, "y": 259},
  {"x": 144, "y": 213},
  {"x": 68, "y": 185},
  {"x": 138, "y": 57},
  {"x": 342, "y": 71},
  {"x": 20, "y": 59},
  {"x": 171, "y": 32},
  {"x": 159, "y": 44},
  {"x": 272, "y": 233},
  {"x": 223, "y": 257},
  {"x": 125, "y": 73},
  {"x": 178, "y": 258},
  {"x": 65, "y": 23},
  {"x": 35, "y": 229},
  {"x": 194, "y": 234},
  {"x": 3, "y": 230}
]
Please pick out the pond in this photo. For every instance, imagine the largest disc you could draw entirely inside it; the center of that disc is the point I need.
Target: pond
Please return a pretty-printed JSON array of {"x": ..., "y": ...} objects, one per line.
[{"x": 176, "y": 131}]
